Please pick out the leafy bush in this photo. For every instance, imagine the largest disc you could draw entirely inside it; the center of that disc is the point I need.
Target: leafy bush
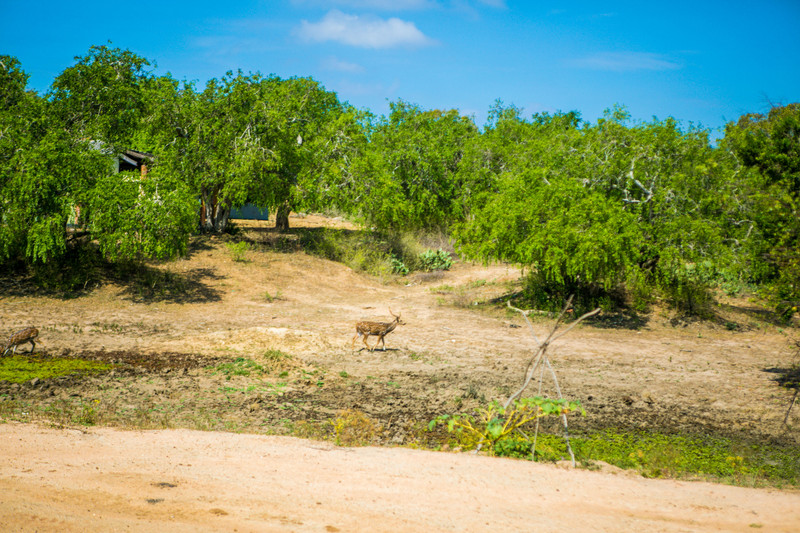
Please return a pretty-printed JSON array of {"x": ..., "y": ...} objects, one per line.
[
  {"x": 374, "y": 253},
  {"x": 238, "y": 250},
  {"x": 398, "y": 267},
  {"x": 540, "y": 293},
  {"x": 495, "y": 425},
  {"x": 135, "y": 218},
  {"x": 278, "y": 360},
  {"x": 79, "y": 268},
  {"x": 431, "y": 260},
  {"x": 360, "y": 250}
]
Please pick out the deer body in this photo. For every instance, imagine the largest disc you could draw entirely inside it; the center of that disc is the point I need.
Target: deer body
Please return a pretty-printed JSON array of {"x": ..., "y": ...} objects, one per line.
[
  {"x": 21, "y": 337},
  {"x": 379, "y": 329}
]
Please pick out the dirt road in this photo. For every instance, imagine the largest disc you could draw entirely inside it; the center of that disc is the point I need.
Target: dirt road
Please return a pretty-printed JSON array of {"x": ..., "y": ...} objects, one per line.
[{"x": 110, "y": 480}]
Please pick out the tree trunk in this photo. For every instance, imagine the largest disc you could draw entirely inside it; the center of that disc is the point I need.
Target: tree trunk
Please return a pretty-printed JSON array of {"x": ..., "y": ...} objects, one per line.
[
  {"x": 282, "y": 217},
  {"x": 206, "y": 210},
  {"x": 221, "y": 217},
  {"x": 214, "y": 214}
]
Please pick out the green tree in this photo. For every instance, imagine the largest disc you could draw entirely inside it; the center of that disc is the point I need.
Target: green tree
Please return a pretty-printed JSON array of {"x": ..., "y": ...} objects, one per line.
[
  {"x": 100, "y": 96},
  {"x": 677, "y": 187},
  {"x": 593, "y": 207},
  {"x": 102, "y": 99},
  {"x": 533, "y": 207},
  {"x": 245, "y": 138},
  {"x": 408, "y": 171},
  {"x": 58, "y": 161},
  {"x": 767, "y": 148},
  {"x": 136, "y": 218},
  {"x": 44, "y": 172}
]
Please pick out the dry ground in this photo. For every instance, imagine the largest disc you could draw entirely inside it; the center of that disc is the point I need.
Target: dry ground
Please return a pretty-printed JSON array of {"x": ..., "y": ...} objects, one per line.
[{"x": 448, "y": 357}]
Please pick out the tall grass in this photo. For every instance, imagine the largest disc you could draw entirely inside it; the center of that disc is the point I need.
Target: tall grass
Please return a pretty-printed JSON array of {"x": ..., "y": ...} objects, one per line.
[{"x": 381, "y": 255}]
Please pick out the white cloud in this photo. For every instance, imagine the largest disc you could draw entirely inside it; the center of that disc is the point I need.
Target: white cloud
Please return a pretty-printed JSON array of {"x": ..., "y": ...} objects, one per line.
[
  {"x": 363, "y": 31},
  {"x": 332, "y": 63},
  {"x": 402, "y": 5},
  {"x": 625, "y": 62},
  {"x": 384, "y": 5}
]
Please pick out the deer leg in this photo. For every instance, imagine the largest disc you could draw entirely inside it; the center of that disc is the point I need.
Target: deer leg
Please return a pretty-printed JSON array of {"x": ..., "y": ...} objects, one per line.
[
  {"x": 33, "y": 345},
  {"x": 366, "y": 343}
]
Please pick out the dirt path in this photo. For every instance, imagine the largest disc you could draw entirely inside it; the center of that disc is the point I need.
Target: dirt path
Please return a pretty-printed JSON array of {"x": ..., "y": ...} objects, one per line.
[{"x": 108, "y": 480}]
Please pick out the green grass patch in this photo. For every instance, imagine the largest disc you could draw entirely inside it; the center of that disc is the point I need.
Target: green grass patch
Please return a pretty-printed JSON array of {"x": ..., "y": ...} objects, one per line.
[
  {"x": 715, "y": 458},
  {"x": 671, "y": 456},
  {"x": 240, "y": 366},
  {"x": 20, "y": 368}
]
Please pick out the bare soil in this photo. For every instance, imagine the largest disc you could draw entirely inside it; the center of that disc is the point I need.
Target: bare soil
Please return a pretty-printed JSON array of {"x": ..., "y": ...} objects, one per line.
[{"x": 453, "y": 353}]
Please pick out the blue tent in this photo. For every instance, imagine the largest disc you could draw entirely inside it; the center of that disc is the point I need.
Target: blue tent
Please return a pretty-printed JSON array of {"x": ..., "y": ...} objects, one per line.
[{"x": 249, "y": 212}]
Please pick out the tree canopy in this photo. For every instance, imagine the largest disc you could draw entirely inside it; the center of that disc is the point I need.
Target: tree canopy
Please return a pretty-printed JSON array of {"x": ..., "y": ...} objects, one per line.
[{"x": 613, "y": 211}]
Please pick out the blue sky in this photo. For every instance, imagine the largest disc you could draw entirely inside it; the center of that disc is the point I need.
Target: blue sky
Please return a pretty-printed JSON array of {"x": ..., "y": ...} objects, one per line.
[{"x": 704, "y": 63}]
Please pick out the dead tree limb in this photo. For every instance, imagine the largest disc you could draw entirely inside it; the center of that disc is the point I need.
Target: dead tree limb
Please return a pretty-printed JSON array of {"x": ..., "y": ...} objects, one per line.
[
  {"x": 540, "y": 358},
  {"x": 541, "y": 349}
]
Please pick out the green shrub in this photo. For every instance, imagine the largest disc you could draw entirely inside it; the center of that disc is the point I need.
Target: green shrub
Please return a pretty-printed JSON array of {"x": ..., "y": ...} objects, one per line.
[
  {"x": 494, "y": 424},
  {"x": 374, "y": 253},
  {"x": 238, "y": 250},
  {"x": 354, "y": 428},
  {"x": 398, "y": 267},
  {"x": 659, "y": 455},
  {"x": 431, "y": 260}
]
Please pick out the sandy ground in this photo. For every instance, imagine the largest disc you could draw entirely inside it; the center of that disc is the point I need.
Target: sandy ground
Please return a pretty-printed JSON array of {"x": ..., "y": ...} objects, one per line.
[
  {"x": 108, "y": 480},
  {"x": 447, "y": 358}
]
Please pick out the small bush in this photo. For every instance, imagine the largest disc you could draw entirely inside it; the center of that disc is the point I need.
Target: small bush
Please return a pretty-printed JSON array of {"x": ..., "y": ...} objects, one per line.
[
  {"x": 431, "y": 260},
  {"x": 273, "y": 297},
  {"x": 238, "y": 250},
  {"x": 398, "y": 267},
  {"x": 80, "y": 268},
  {"x": 354, "y": 428},
  {"x": 547, "y": 295},
  {"x": 494, "y": 425},
  {"x": 278, "y": 360}
]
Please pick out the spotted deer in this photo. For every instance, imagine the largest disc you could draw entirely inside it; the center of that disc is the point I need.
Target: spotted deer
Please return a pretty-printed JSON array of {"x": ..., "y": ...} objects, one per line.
[
  {"x": 379, "y": 329},
  {"x": 21, "y": 337}
]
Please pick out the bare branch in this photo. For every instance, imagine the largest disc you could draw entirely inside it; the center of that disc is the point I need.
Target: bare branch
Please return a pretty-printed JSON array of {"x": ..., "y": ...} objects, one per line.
[
  {"x": 578, "y": 321},
  {"x": 540, "y": 358}
]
